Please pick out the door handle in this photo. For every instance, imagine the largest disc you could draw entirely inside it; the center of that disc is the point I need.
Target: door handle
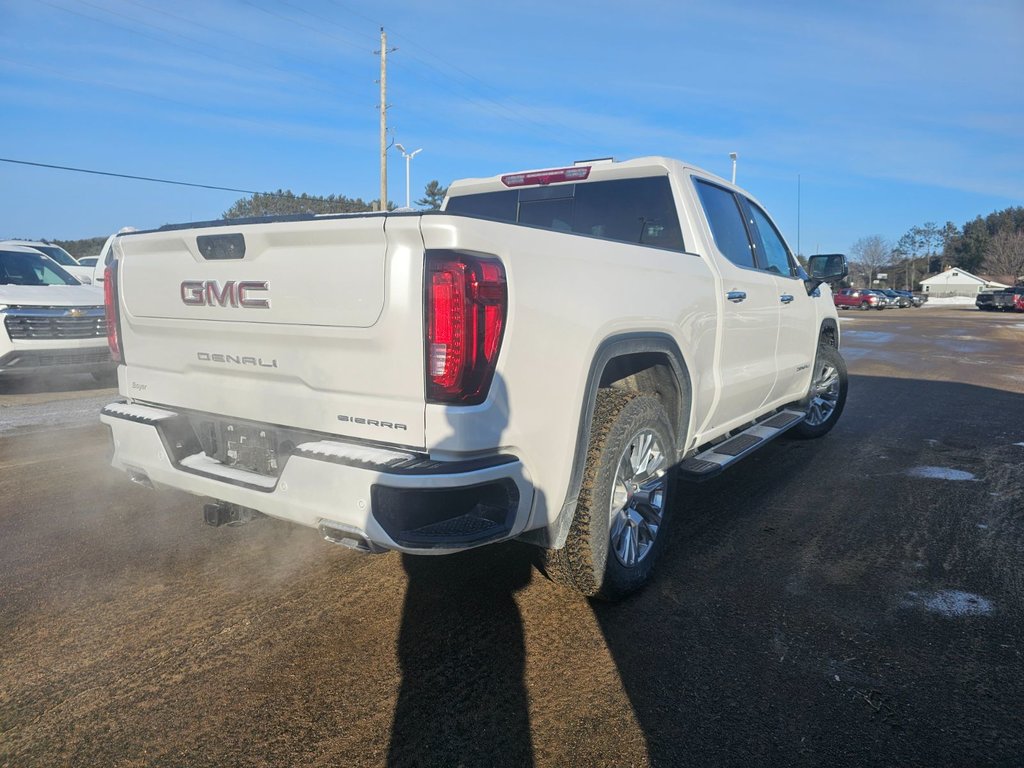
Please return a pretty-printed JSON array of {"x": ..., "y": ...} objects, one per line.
[
  {"x": 736, "y": 296},
  {"x": 785, "y": 298}
]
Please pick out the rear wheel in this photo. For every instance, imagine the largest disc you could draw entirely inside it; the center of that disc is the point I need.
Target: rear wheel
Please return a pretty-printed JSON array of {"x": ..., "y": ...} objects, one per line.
[
  {"x": 827, "y": 394},
  {"x": 618, "y": 530}
]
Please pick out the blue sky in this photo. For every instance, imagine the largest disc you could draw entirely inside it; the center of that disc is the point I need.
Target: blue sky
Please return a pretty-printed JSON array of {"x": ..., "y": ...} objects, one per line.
[{"x": 890, "y": 114}]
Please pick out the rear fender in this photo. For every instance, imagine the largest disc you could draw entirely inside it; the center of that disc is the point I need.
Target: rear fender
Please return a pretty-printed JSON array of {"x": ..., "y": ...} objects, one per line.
[{"x": 607, "y": 367}]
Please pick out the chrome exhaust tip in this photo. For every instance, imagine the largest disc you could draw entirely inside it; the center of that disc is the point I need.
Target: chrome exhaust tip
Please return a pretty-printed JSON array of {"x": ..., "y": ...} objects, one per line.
[{"x": 347, "y": 536}]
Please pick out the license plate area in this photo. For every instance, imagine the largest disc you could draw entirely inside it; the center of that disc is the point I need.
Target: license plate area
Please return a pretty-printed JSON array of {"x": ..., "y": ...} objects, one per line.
[{"x": 254, "y": 448}]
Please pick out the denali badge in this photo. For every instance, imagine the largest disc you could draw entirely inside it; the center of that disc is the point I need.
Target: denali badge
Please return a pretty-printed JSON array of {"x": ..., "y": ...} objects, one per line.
[
  {"x": 209, "y": 293},
  {"x": 217, "y": 357}
]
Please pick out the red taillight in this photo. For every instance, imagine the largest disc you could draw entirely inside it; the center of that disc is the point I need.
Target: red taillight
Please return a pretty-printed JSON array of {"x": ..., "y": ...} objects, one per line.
[
  {"x": 555, "y": 175},
  {"x": 466, "y": 306},
  {"x": 113, "y": 317}
]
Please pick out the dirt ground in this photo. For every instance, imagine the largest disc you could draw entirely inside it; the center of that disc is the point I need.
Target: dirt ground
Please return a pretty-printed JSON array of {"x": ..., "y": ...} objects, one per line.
[{"x": 856, "y": 600}]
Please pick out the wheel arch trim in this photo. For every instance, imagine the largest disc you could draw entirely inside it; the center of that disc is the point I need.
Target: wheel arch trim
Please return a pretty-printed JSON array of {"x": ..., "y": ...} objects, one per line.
[{"x": 609, "y": 350}]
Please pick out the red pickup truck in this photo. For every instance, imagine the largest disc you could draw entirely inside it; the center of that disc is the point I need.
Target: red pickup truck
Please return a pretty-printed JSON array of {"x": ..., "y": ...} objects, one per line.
[{"x": 856, "y": 297}]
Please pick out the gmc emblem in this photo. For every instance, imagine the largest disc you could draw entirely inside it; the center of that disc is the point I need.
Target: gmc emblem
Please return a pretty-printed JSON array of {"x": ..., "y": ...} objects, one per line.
[{"x": 209, "y": 293}]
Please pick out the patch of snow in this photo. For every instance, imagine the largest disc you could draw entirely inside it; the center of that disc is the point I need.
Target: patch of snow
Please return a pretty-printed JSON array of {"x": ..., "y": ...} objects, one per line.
[
  {"x": 1020, "y": 444},
  {"x": 331, "y": 449},
  {"x": 203, "y": 463},
  {"x": 948, "y": 301},
  {"x": 940, "y": 473},
  {"x": 954, "y": 602},
  {"x": 871, "y": 337},
  {"x": 982, "y": 526}
]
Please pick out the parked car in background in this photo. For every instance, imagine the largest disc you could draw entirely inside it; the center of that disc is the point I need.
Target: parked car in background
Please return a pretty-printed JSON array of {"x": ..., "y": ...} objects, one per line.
[
  {"x": 89, "y": 261},
  {"x": 884, "y": 301},
  {"x": 1007, "y": 299},
  {"x": 49, "y": 321},
  {"x": 914, "y": 299},
  {"x": 59, "y": 255},
  {"x": 895, "y": 297},
  {"x": 859, "y": 298}
]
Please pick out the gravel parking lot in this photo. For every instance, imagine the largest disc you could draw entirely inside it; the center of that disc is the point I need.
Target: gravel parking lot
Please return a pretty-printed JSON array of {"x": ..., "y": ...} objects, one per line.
[{"x": 857, "y": 600}]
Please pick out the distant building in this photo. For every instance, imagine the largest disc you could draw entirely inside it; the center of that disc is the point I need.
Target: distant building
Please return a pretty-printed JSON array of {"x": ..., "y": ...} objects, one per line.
[{"x": 957, "y": 282}]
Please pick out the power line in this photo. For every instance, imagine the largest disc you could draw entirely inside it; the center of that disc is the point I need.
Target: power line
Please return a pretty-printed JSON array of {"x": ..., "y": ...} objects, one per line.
[
  {"x": 310, "y": 27},
  {"x": 136, "y": 178}
]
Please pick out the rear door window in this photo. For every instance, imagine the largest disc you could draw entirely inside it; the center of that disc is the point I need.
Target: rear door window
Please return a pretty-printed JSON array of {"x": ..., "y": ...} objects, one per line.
[{"x": 726, "y": 221}]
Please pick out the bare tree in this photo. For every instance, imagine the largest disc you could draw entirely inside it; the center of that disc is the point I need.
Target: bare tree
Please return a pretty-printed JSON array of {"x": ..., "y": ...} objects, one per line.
[
  {"x": 868, "y": 255},
  {"x": 1004, "y": 256}
]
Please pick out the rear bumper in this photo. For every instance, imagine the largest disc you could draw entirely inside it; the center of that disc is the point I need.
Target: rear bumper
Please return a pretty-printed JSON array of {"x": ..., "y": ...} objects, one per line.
[{"x": 369, "y": 497}]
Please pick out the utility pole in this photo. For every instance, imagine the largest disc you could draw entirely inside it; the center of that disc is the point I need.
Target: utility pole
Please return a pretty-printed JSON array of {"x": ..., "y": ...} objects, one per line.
[{"x": 383, "y": 52}]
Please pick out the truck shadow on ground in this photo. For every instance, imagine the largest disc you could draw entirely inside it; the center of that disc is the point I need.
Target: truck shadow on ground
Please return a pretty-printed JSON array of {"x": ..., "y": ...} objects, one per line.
[
  {"x": 461, "y": 650},
  {"x": 775, "y": 631}
]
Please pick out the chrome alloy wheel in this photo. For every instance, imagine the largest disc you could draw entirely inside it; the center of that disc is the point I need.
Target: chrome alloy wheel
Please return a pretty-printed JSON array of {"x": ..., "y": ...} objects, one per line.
[
  {"x": 638, "y": 498},
  {"x": 824, "y": 394}
]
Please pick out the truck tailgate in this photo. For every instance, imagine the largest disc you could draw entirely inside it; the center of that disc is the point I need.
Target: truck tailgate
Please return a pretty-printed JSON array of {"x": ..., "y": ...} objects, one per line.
[{"x": 313, "y": 324}]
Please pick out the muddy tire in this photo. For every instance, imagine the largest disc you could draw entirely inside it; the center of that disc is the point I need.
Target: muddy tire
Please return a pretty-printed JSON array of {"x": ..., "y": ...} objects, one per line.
[
  {"x": 619, "y": 528},
  {"x": 827, "y": 395}
]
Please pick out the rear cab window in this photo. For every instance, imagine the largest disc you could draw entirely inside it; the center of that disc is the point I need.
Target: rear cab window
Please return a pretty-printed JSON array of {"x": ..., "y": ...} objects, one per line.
[{"x": 640, "y": 210}]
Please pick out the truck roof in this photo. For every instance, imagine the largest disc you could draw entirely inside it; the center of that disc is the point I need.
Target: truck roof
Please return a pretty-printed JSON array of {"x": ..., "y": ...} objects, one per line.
[{"x": 583, "y": 170}]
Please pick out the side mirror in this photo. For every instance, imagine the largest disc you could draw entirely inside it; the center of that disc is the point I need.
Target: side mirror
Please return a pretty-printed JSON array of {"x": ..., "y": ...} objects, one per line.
[{"x": 826, "y": 268}]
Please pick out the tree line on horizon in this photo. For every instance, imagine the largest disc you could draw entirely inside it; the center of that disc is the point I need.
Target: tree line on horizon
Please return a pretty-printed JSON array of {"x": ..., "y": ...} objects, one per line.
[{"x": 285, "y": 202}]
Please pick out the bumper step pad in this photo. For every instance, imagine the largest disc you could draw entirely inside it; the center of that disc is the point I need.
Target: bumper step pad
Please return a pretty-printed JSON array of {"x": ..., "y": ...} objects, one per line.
[{"x": 712, "y": 461}]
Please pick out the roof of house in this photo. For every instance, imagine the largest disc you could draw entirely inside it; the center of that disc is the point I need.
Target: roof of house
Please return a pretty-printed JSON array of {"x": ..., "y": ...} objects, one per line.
[{"x": 954, "y": 272}]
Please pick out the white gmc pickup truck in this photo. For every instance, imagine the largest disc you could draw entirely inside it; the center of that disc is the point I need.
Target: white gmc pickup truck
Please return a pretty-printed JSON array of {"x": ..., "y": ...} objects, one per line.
[{"x": 542, "y": 359}]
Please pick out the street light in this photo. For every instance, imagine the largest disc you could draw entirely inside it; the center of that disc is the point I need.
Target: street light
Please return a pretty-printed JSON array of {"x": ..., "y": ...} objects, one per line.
[
  {"x": 733, "y": 156},
  {"x": 408, "y": 158}
]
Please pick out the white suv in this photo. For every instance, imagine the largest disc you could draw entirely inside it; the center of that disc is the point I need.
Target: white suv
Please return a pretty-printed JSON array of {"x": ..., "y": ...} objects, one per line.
[{"x": 50, "y": 321}]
